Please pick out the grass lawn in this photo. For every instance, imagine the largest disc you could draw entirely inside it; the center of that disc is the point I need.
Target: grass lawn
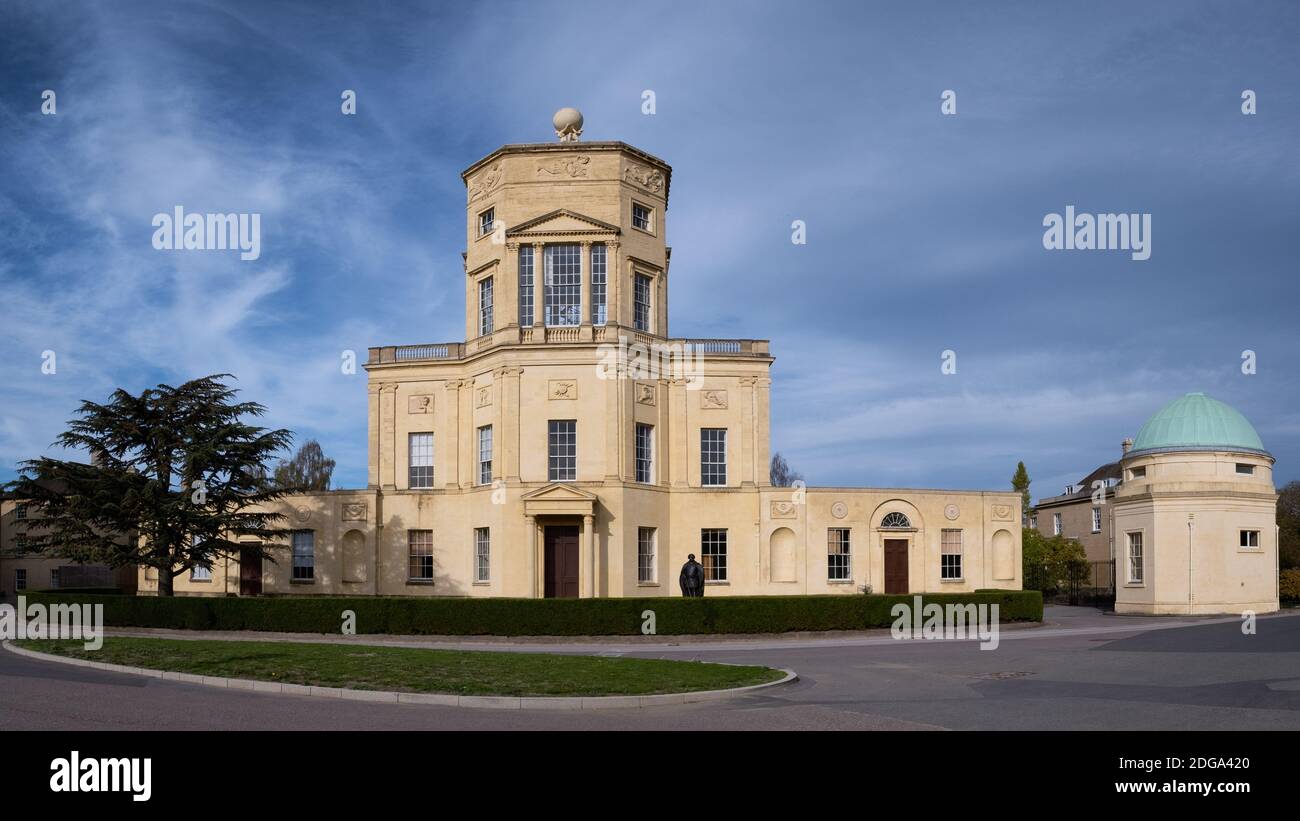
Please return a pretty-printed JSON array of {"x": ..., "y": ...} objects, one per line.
[{"x": 415, "y": 670}]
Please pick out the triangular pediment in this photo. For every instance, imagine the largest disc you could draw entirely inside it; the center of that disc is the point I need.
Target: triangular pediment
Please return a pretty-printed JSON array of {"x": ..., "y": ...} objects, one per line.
[
  {"x": 562, "y": 221},
  {"x": 559, "y": 499},
  {"x": 559, "y": 492}
]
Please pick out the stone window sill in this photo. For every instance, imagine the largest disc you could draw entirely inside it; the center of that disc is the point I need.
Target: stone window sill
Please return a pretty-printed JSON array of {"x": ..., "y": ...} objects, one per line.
[{"x": 420, "y": 582}]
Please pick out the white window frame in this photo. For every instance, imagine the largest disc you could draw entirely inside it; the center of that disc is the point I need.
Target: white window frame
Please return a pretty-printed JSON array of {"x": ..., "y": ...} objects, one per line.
[
  {"x": 839, "y": 554},
  {"x": 562, "y": 291},
  {"x": 649, "y": 226},
  {"x": 20, "y": 512},
  {"x": 1096, "y": 519},
  {"x": 951, "y": 570},
  {"x": 487, "y": 221},
  {"x": 1247, "y": 535},
  {"x": 304, "y": 560},
  {"x": 599, "y": 281},
  {"x": 1135, "y": 559},
  {"x": 643, "y": 309},
  {"x": 1249, "y": 469},
  {"x": 713, "y": 457},
  {"x": 485, "y": 455},
  {"x": 414, "y": 446},
  {"x": 485, "y": 300},
  {"x": 419, "y": 565},
  {"x": 713, "y": 546},
  {"x": 647, "y": 555},
  {"x": 562, "y": 450},
  {"x": 645, "y": 453},
  {"x": 482, "y": 555},
  {"x": 1056, "y": 524},
  {"x": 527, "y": 289}
]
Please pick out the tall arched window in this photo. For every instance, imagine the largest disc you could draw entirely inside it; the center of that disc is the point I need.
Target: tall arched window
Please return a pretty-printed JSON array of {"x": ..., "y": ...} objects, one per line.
[{"x": 895, "y": 520}]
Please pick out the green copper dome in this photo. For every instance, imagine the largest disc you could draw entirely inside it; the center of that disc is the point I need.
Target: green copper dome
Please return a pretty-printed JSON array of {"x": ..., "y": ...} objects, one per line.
[{"x": 1197, "y": 422}]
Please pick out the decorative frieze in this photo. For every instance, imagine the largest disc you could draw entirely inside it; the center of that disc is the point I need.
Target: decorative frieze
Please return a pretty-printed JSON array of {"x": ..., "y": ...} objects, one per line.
[
  {"x": 569, "y": 167},
  {"x": 648, "y": 178},
  {"x": 784, "y": 510},
  {"x": 563, "y": 389},
  {"x": 713, "y": 399},
  {"x": 486, "y": 183}
]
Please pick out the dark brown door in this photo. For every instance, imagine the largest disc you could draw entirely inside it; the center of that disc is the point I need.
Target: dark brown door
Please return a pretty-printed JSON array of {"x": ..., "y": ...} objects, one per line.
[
  {"x": 561, "y": 562},
  {"x": 250, "y": 573},
  {"x": 895, "y": 565}
]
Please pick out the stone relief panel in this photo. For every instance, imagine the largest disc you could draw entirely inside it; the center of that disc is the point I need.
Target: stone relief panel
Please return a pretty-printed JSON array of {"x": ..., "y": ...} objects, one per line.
[
  {"x": 420, "y": 403},
  {"x": 1002, "y": 513},
  {"x": 571, "y": 167},
  {"x": 713, "y": 399},
  {"x": 486, "y": 182},
  {"x": 839, "y": 510},
  {"x": 951, "y": 512},
  {"x": 648, "y": 178},
  {"x": 563, "y": 389},
  {"x": 784, "y": 510},
  {"x": 645, "y": 393},
  {"x": 483, "y": 396},
  {"x": 354, "y": 511}
]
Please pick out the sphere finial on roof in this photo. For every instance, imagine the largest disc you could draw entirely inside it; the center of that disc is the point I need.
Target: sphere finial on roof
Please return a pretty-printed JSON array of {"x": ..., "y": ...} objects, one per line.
[{"x": 568, "y": 124}]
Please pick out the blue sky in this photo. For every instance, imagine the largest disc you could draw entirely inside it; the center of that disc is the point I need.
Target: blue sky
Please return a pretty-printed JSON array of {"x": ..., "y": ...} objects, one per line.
[{"x": 924, "y": 230}]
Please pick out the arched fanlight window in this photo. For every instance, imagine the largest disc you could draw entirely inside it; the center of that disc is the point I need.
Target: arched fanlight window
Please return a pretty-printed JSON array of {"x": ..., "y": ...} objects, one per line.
[{"x": 895, "y": 520}]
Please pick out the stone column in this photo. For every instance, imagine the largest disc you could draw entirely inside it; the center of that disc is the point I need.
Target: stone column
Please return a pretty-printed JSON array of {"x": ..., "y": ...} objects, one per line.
[
  {"x": 372, "y": 436},
  {"x": 530, "y": 528},
  {"x": 505, "y": 440},
  {"x": 388, "y": 436},
  {"x": 539, "y": 560},
  {"x": 588, "y": 561},
  {"x": 763, "y": 439},
  {"x": 749, "y": 432},
  {"x": 678, "y": 446},
  {"x": 585, "y": 310},
  {"x": 539, "y": 286},
  {"x": 449, "y": 435},
  {"x": 509, "y": 289},
  {"x": 613, "y": 316}
]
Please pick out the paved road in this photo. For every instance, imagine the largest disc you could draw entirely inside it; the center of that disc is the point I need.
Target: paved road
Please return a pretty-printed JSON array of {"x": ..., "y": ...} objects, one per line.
[{"x": 1081, "y": 670}]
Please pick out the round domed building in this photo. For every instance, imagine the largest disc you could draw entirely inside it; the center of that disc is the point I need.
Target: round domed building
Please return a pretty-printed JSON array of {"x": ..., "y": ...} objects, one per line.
[{"x": 1195, "y": 516}]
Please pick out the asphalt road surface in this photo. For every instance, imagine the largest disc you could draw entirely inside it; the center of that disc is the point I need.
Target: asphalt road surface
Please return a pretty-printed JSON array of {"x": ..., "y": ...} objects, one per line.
[{"x": 1080, "y": 670}]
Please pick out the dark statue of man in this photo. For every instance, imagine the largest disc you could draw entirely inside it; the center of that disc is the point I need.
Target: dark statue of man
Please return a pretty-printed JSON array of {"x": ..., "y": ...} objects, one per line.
[{"x": 692, "y": 578}]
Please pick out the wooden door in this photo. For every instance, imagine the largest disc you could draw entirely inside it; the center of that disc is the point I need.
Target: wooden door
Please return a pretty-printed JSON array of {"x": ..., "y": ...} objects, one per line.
[
  {"x": 895, "y": 565},
  {"x": 561, "y": 573},
  {"x": 250, "y": 573}
]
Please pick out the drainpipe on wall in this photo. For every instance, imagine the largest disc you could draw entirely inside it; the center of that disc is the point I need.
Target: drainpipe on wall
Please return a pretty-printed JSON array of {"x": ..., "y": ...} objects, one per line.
[{"x": 1190, "y": 523}]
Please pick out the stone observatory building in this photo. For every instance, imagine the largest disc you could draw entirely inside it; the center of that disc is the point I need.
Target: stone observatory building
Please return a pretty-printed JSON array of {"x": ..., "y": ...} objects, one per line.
[{"x": 1195, "y": 515}]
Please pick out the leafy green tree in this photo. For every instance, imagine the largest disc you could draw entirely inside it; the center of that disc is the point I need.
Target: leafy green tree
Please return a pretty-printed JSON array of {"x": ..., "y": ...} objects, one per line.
[
  {"x": 780, "y": 473},
  {"x": 1288, "y": 524},
  {"x": 179, "y": 466},
  {"x": 1050, "y": 561},
  {"x": 309, "y": 469},
  {"x": 1020, "y": 481}
]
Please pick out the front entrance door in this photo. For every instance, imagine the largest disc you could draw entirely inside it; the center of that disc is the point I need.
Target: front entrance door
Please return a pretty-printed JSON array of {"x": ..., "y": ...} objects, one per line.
[
  {"x": 561, "y": 562},
  {"x": 250, "y": 573},
  {"x": 895, "y": 565}
]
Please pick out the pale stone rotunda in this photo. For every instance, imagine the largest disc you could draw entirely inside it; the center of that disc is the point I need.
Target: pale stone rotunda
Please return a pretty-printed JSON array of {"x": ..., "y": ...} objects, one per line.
[{"x": 1196, "y": 514}]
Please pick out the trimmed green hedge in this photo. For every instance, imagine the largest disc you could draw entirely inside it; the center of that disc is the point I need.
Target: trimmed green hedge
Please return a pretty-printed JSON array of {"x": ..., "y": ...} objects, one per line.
[{"x": 533, "y": 617}]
